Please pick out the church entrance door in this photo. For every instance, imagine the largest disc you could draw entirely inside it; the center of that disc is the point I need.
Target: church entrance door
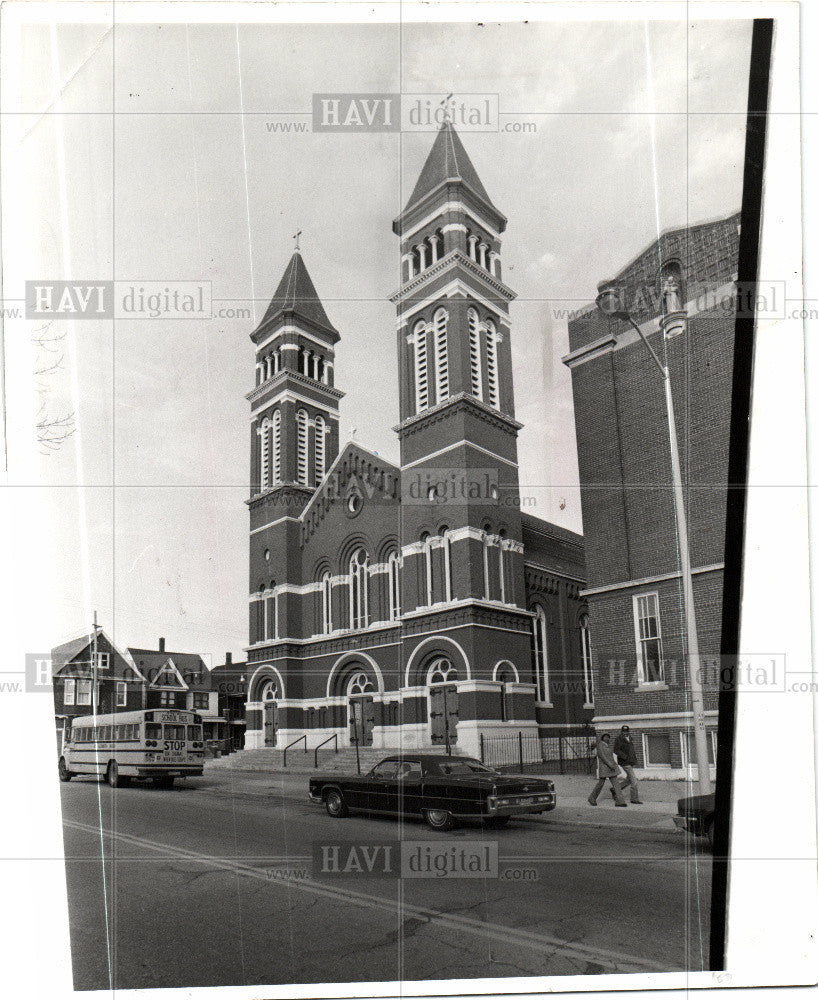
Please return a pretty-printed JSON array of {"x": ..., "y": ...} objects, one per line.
[{"x": 361, "y": 721}]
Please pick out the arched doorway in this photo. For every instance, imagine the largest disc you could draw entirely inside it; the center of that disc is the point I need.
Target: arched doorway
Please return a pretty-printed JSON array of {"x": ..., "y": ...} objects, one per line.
[
  {"x": 441, "y": 679},
  {"x": 360, "y": 695},
  {"x": 269, "y": 700}
]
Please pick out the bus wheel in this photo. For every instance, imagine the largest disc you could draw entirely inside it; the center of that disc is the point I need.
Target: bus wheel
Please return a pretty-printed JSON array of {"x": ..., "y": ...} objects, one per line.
[
  {"x": 112, "y": 774},
  {"x": 65, "y": 774}
]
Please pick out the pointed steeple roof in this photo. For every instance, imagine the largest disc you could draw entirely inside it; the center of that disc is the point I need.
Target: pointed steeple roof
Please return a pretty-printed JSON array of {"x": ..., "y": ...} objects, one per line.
[
  {"x": 296, "y": 294},
  {"x": 448, "y": 161}
]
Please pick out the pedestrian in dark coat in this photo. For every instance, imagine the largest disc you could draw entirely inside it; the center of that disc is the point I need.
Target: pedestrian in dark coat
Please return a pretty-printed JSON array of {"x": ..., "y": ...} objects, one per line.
[
  {"x": 626, "y": 758},
  {"x": 607, "y": 770}
]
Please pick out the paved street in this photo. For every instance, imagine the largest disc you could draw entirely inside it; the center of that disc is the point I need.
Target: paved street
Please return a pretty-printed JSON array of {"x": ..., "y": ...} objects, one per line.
[{"x": 213, "y": 883}]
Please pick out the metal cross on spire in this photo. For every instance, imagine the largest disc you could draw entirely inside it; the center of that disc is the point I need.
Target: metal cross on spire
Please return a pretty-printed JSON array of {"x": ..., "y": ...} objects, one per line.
[
  {"x": 297, "y": 240},
  {"x": 447, "y": 104}
]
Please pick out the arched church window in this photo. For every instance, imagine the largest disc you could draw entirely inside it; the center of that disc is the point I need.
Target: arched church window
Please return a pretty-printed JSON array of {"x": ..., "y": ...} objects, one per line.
[
  {"x": 441, "y": 326},
  {"x": 301, "y": 449},
  {"x": 326, "y": 603},
  {"x": 426, "y": 542},
  {"x": 270, "y": 691},
  {"x": 359, "y": 683},
  {"x": 276, "y": 448},
  {"x": 475, "y": 361},
  {"x": 441, "y": 671},
  {"x": 393, "y": 582},
  {"x": 447, "y": 563},
  {"x": 264, "y": 442},
  {"x": 492, "y": 373},
  {"x": 320, "y": 449},
  {"x": 421, "y": 366},
  {"x": 359, "y": 589},
  {"x": 539, "y": 626}
]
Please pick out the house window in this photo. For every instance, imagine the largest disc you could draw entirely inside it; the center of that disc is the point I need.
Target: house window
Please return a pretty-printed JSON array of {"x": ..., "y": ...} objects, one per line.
[
  {"x": 167, "y": 698},
  {"x": 541, "y": 655},
  {"x": 84, "y": 692},
  {"x": 585, "y": 653},
  {"x": 68, "y": 691},
  {"x": 103, "y": 661},
  {"x": 121, "y": 694},
  {"x": 441, "y": 324},
  {"x": 649, "y": 663},
  {"x": 656, "y": 749},
  {"x": 201, "y": 699},
  {"x": 421, "y": 366}
]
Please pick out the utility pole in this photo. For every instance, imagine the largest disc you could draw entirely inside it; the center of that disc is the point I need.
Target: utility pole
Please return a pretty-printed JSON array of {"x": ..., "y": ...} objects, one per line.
[{"x": 94, "y": 699}]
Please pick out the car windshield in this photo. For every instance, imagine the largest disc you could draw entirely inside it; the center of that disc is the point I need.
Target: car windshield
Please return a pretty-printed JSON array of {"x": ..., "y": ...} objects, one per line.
[{"x": 464, "y": 766}]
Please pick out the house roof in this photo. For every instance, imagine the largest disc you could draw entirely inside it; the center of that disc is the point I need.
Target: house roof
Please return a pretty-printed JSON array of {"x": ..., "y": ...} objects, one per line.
[
  {"x": 296, "y": 294},
  {"x": 152, "y": 661},
  {"x": 67, "y": 651},
  {"x": 447, "y": 161}
]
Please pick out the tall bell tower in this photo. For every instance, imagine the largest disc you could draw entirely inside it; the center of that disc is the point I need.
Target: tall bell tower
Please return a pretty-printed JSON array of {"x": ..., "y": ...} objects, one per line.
[
  {"x": 293, "y": 431},
  {"x": 456, "y": 399}
]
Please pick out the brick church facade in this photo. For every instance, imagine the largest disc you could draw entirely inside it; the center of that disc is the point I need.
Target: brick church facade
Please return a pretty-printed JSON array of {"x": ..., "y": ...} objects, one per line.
[
  {"x": 409, "y": 605},
  {"x": 681, "y": 291}
]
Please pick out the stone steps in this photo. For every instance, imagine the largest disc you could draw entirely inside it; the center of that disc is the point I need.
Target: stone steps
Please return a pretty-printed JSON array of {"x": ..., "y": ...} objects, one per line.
[{"x": 271, "y": 759}]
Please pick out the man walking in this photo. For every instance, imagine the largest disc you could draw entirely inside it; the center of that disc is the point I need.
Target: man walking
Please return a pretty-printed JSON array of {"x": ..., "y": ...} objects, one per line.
[
  {"x": 606, "y": 769},
  {"x": 626, "y": 758}
]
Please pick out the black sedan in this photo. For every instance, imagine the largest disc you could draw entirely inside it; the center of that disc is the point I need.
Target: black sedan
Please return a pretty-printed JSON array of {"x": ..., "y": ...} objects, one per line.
[
  {"x": 441, "y": 789},
  {"x": 697, "y": 814}
]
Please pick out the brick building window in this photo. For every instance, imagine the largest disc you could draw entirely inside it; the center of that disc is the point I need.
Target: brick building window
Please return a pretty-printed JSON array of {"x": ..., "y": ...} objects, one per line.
[
  {"x": 587, "y": 667},
  {"x": 326, "y": 603},
  {"x": 421, "y": 366},
  {"x": 441, "y": 327},
  {"x": 121, "y": 694},
  {"x": 656, "y": 749},
  {"x": 393, "y": 568},
  {"x": 68, "y": 691},
  {"x": 541, "y": 655},
  {"x": 689, "y": 747},
  {"x": 649, "y": 664},
  {"x": 301, "y": 421}
]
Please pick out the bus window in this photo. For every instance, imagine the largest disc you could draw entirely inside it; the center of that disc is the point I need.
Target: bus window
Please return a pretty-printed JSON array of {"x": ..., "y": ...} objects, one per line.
[
  {"x": 174, "y": 732},
  {"x": 194, "y": 732},
  {"x": 153, "y": 731}
]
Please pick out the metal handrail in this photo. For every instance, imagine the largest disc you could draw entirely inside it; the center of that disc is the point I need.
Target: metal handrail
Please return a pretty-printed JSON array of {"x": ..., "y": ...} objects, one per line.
[
  {"x": 286, "y": 748},
  {"x": 327, "y": 740}
]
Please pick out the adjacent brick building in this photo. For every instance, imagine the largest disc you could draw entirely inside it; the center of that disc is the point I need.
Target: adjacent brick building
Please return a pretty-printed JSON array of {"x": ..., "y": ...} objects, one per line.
[
  {"x": 398, "y": 605},
  {"x": 681, "y": 291}
]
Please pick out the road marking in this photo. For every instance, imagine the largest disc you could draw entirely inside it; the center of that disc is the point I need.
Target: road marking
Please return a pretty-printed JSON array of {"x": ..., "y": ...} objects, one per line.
[{"x": 615, "y": 960}]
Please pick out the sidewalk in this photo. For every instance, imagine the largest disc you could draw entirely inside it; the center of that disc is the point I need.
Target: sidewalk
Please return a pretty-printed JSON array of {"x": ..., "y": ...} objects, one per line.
[{"x": 659, "y": 797}]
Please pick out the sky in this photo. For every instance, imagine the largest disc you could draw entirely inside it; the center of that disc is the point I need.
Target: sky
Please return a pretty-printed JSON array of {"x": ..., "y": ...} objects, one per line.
[{"x": 638, "y": 128}]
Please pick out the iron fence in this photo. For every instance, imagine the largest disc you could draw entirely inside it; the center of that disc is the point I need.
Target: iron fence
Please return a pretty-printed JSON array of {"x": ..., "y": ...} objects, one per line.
[{"x": 566, "y": 754}]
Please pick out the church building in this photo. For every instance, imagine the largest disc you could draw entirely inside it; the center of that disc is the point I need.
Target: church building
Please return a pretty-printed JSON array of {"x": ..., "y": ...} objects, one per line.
[{"x": 413, "y": 605}]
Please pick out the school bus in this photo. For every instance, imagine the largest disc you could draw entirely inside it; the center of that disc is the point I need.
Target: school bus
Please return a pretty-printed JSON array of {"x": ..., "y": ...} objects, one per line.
[{"x": 158, "y": 744}]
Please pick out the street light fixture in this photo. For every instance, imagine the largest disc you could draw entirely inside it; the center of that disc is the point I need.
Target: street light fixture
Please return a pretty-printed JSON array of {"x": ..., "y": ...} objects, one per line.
[{"x": 610, "y": 303}]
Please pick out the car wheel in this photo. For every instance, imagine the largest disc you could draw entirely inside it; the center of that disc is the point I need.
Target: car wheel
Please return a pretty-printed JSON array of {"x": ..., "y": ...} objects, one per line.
[
  {"x": 708, "y": 831},
  {"x": 112, "y": 774},
  {"x": 65, "y": 774},
  {"x": 497, "y": 822},
  {"x": 439, "y": 819},
  {"x": 335, "y": 804}
]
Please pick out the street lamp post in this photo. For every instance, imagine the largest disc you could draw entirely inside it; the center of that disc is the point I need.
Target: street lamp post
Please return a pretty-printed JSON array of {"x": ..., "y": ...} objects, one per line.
[{"x": 609, "y": 302}]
